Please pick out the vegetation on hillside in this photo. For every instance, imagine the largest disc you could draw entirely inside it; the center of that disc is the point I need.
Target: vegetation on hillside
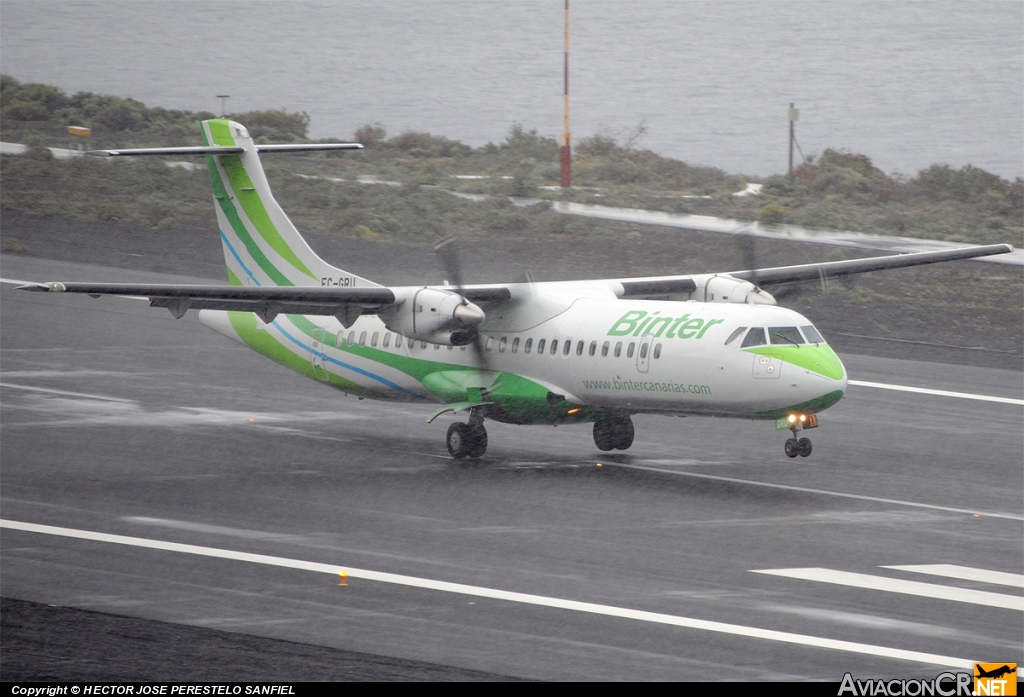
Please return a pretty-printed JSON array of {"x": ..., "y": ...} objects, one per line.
[{"x": 838, "y": 190}]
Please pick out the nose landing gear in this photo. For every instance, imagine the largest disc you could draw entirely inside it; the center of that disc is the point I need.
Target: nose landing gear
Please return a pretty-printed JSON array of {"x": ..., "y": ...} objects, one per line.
[
  {"x": 796, "y": 423},
  {"x": 801, "y": 447}
]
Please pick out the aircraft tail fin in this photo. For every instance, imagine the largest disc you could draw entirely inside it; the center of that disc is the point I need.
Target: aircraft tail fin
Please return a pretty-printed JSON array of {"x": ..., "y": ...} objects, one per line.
[{"x": 261, "y": 245}]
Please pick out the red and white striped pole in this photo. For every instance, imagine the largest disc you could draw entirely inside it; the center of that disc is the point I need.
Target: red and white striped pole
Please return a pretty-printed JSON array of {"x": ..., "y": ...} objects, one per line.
[{"x": 566, "y": 142}]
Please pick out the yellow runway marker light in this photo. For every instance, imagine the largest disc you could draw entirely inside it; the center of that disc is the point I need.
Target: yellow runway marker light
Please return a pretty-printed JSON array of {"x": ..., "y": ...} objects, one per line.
[{"x": 342, "y": 578}]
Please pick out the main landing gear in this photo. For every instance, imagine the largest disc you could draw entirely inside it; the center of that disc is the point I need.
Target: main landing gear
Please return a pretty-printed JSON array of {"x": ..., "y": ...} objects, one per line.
[
  {"x": 469, "y": 439},
  {"x": 796, "y": 423},
  {"x": 613, "y": 433}
]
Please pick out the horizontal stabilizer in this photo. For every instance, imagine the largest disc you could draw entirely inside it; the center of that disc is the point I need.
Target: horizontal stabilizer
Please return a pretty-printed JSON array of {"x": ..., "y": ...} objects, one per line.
[{"x": 224, "y": 149}]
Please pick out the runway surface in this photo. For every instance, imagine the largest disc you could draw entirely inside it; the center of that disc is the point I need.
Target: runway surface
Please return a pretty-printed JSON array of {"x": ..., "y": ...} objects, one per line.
[{"x": 186, "y": 480}]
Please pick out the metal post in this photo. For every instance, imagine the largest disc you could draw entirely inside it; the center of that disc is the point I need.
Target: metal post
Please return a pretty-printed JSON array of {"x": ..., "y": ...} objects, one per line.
[
  {"x": 566, "y": 140},
  {"x": 794, "y": 116}
]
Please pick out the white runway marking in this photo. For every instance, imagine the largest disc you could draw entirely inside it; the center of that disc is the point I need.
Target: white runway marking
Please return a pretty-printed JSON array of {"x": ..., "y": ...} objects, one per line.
[
  {"x": 895, "y": 585},
  {"x": 965, "y": 572},
  {"x": 477, "y": 591},
  {"x": 938, "y": 393},
  {"x": 808, "y": 490},
  {"x": 48, "y": 390}
]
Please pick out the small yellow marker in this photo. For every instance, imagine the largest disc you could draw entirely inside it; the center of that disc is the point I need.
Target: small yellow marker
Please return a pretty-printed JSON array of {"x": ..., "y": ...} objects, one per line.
[
  {"x": 599, "y": 464},
  {"x": 342, "y": 578}
]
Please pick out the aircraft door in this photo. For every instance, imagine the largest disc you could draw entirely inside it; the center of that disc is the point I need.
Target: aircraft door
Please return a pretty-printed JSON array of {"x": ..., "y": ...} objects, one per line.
[
  {"x": 643, "y": 354},
  {"x": 316, "y": 353}
]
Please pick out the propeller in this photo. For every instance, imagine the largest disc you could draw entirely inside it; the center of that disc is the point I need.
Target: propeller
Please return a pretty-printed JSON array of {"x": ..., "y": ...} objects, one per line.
[{"x": 445, "y": 250}]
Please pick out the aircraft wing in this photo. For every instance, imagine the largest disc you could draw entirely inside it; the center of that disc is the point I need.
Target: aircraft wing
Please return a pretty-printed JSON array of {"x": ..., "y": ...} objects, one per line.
[
  {"x": 670, "y": 285},
  {"x": 833, "y": 269},
  {"x": 267, "y": 301}
]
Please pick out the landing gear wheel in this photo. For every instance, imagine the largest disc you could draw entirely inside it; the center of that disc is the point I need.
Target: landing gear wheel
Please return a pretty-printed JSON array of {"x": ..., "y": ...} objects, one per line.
[
  {"x": 792, "y": 447},
  {"x": 604, "y": 434},
  {"x": 804, "y": 447},
  {"x": 458, "y": 440},
  {"x": 477, "y": 440},
  {"x": 466, "y": 440},
  {"x": 623, "y": 432}
]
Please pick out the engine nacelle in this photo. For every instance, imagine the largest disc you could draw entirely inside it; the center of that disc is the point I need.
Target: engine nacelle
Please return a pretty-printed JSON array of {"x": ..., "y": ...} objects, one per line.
[
  {"x": 434, "y": 315},
  {"x": 727, "y": 289}
]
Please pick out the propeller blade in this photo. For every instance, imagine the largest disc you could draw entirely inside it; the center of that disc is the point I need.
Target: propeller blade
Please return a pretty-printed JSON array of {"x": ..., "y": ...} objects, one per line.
[{"x": 445, "y": 249}]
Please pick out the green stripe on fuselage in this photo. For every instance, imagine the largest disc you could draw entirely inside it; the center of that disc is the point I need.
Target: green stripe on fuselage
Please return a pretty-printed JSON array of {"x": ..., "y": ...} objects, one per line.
[{"x": 245, "y": 323}]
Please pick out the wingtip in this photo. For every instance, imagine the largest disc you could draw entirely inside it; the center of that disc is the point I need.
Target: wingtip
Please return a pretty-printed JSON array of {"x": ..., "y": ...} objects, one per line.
[{"x": 54, "y": 287}]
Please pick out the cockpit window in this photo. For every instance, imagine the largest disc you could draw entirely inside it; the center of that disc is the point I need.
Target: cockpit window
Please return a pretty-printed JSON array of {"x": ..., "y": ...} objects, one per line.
[
  {"x": 755, "y": 337},
  {"x": 812, "y": 335},
  {"x": 785, "y": 335},
  {"x": 735, "y": 335}
]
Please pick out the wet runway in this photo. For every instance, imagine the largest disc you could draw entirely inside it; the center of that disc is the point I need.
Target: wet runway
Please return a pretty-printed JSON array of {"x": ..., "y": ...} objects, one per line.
[{"x": 673, "y": 561}]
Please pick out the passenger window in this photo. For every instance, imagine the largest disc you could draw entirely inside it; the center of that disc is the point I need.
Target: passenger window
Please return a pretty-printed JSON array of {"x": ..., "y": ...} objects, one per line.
[
  {"x": 437, "y": 347},
  {"x": 515, "y": 344},
  {"x": 501, "y": 344},
  {"x": 785, "y": 335},
  {"x": 423, "y": 344},
  {"x": 540, "y": 346},
  {"x": 362, "y": 339},
  {"x": 629, "y": 350},
  {"x": 387, "y": 339},
  {"x": 593, "y": 347},
  {"x": 340, "y": 340},
  {"x": 490, "y": 343},
  {"x": 528, "y": 345},
  {"x": 398, "y": 341},
  {"x": 604, "y": 349},
  {"x": 351, "y": 338},
  {"x": 657, "y": 350},
  {"x": 373, "y": 339},
  {"x": 735, "y": 335},
  {"x": 618, "y": 349},
  {"x": 554, "y": 346},
  {"x": 643, "y": 350},
  {"x": 451, "y": 348},
  {"x": 812, "y": 335},
  {"x": 567, "y": 347},
  {"x": 755, "y": 337}
]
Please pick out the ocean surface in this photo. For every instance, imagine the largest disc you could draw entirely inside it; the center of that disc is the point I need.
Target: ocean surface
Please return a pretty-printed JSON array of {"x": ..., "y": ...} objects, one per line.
[{"x": 906, "y": 83}]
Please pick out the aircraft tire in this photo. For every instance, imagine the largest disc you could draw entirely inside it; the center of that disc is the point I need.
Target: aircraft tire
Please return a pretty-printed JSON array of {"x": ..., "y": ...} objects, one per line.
[
  {"x": 805, "y": 447},
  {"x": 477, "y": 441},
  {"x": 459, "y": 440},
  {"x": 792, "y": 447},
  {"x": 624, "y": 432},
  {"x": 604, "y": 434}
]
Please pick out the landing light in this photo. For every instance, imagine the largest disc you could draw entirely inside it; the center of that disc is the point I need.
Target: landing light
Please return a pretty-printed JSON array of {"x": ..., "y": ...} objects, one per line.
[{"x": 573, "y": 411}]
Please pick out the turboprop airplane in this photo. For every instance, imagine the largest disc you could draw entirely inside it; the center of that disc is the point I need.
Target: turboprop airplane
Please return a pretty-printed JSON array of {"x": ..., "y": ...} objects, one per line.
[{"x": 567, "y": 352}]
